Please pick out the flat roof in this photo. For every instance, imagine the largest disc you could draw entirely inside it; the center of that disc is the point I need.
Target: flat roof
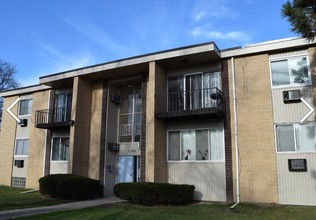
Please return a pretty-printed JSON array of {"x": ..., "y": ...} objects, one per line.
[
  {"x": 203, "y": 52},
  {"x": 268, "y": 46},
  {"x": 24, "y": 90},
  {"x": 164, "y": 56}
]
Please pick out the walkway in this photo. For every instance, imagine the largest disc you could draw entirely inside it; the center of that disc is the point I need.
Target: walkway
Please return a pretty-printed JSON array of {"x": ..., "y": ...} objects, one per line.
[{"x": 56, "y": 208}]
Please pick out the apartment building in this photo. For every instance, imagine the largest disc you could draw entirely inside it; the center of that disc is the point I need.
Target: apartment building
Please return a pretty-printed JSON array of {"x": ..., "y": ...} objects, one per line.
[{"x": 238, "y": 123}]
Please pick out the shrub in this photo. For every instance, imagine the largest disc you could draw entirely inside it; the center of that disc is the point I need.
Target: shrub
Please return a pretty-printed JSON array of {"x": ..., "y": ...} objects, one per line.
[
  {"x": 155, "y": 193},
  {"x": 69, "y": 186}
]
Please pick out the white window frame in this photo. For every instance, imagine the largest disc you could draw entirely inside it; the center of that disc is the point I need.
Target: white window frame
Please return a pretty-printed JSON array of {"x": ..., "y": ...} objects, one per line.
[
  {"x": 209, "y": 147},
  {"x": 295, "y": 125},
  {"x": 16, "y": 141},
  {"x": 133, "y": 127},
  {"x": 28, "y": 113},
  {"x": 52, "y": 145},
  {"x": 290, "y": 84}
]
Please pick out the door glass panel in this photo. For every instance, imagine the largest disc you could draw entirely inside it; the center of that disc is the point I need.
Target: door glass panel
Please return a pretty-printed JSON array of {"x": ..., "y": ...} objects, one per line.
[
  {"x": 175, "y": 93},
  {"x": 125, "y": 169},
  {"x": 193, "y": 93}
]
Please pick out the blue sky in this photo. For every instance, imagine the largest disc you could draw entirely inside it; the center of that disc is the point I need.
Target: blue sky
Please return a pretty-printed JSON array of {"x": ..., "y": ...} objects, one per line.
[{"x": 43, "y": 37}]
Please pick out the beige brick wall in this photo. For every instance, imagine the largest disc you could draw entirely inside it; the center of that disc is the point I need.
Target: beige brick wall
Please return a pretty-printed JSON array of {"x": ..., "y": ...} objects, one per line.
[
  {"x": 80, "y": 133},
  {"x": 160, "y": 130},
  {"x": 7, "y": 141},
  {"x": 156, "y": 166},
  {"x": 37, "y": 139},
  {"x": 257, "y": 158},
  {"x": 95, "y": 130}
]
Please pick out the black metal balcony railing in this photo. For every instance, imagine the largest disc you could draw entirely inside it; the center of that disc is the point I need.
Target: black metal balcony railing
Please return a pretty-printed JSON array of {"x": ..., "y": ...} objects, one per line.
[
  {"x": 207, "y": 102},
  {"x": 53, "y": 118}
]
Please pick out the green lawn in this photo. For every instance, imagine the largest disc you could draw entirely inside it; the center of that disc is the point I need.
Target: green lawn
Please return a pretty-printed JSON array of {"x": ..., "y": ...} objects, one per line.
[
  {"x": 194, "y": 211},
  {"x": 11, "y": 198}
]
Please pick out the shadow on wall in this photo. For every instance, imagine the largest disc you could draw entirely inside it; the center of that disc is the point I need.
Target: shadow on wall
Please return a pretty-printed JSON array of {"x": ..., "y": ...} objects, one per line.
[{"x": 313, "y": 173}]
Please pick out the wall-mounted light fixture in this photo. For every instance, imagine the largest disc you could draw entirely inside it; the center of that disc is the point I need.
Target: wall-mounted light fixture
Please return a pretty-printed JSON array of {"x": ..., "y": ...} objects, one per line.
[{"x": 71, "y": 123}]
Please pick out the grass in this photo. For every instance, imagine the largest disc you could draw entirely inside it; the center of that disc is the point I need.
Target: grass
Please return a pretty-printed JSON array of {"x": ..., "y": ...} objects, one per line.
[
  {"x": 194, "y": 211},
  {"x": 11, "y": 198}
]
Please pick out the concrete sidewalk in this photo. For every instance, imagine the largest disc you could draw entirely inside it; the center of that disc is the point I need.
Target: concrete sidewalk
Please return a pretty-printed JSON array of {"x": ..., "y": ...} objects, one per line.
[{"x": 56, "y": 208}]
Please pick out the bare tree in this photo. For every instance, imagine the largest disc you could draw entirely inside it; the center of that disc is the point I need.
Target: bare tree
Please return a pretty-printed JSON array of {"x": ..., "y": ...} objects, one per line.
[{"x": 7, "y": 80}]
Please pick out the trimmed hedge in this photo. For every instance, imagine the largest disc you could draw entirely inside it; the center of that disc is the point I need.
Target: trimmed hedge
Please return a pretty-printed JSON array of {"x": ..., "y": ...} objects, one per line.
[
  {"x": 69, "y": 186},
  {"x": 155, "y": 193}
]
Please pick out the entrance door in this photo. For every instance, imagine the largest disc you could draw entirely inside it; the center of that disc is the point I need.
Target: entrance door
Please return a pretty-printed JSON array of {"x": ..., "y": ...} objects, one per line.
[{"x": 125, "y": 169}]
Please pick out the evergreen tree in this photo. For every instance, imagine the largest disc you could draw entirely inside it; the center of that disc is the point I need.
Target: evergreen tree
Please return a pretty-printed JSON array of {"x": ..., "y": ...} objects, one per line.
[{"x": 302, "y": 16}]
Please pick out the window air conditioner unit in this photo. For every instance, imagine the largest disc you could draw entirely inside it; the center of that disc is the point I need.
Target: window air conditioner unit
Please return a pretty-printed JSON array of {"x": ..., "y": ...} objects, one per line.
[
  {"x": 19, "y": 163},
  {"x": 23, "y": 122},
  {"x": 292, "y": 96},
  {"x": 116, "y": 99}
]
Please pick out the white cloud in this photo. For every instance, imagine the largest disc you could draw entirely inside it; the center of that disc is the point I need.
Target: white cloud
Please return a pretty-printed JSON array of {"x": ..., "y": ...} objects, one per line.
[
  {"x": 206, "y": 9},
  {"x": 198, "y": 16},
  {"x": 97, "y": 35},
  {"x": 239, "y": 36},
  {"x": 224, "y": 12},
  {"x": 59, "y": 61}
]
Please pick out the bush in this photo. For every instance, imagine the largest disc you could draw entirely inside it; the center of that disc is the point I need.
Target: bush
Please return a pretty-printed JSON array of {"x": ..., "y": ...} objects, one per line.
[
  {"x": 155, "y": 193},
  {"x": 69, "y": 186}
]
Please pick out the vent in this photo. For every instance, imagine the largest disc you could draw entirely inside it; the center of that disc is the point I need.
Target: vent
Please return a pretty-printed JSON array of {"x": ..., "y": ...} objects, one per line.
[
  {"x": 19, "y": 163},
  {"x": 18, "y": 182},
  {"x": 297, "y": 165},
  {"x": 116, "y": 99},
  {"x": 23, "y": 122},
  {"x": 292, "y": 96},
  {"x": 114, "y": 147}
]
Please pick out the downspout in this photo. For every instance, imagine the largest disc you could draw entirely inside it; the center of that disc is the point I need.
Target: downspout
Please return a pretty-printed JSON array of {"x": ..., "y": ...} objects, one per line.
[
  {"x": 106, "y": 136},
  {"x": 45, "y": 145},
  {"x": 236, "y": 134}
]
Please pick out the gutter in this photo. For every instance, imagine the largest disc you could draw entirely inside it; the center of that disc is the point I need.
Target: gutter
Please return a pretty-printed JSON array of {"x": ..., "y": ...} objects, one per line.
[{"x": 236, "y": 134}]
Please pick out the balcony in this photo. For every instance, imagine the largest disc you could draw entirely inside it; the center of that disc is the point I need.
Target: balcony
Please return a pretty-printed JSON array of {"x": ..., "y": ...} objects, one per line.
[
  {"x": 53, "y": 118},
  {"x": 202, "y": 103}
]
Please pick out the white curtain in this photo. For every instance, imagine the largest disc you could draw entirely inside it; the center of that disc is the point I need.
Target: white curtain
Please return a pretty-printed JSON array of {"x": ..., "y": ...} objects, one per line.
[
  {"x": 217, "y": 144},
  {"x": 174, "y": 145},
  {"x": 305, "y": 137}
]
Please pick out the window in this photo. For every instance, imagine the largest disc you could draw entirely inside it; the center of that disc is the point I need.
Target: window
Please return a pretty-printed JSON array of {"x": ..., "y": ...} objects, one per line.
[
  {"x": 63, "y": 104},
  {"x": 130, "y": 114},
  {"x": 21, "y": 147},
  {"x": 60, "y": 149},
  {"x": 291, "y": 71},
  {"x": 193, "y": 91},
  {"x": 25, "y": 107},
  {"x": 196, "y": 145},
  {"x": 296, "y": 137}
]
